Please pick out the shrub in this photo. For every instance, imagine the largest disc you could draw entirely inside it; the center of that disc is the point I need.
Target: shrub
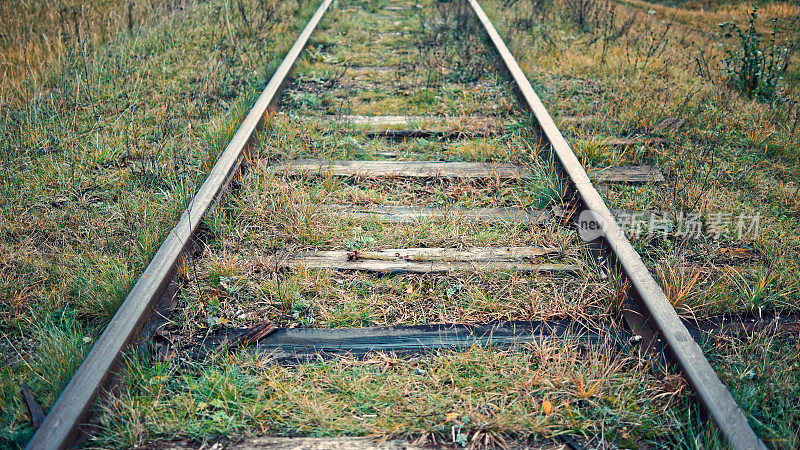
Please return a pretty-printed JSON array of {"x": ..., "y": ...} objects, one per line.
[{"x": 753, "y": 66}]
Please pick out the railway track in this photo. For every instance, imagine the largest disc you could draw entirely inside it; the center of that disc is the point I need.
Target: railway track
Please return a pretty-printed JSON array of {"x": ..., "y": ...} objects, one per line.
[{"x": 470, "y": 157}]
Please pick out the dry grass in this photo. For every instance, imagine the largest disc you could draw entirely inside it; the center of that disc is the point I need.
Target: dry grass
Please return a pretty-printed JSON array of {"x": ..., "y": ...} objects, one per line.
[
  {"x": 236, "y": 282},
  {"x": 478, "y": 397},
  {"x": 291, "y": 137},
  {"x": 608, "y": 60},
  {"x": 237, "y": 292},
  {"x": 36, "y": 35},
  {"x": 106, "y": 136},
  {"x": 677, "y": 284},
  {"x": 730, "y": 155}
]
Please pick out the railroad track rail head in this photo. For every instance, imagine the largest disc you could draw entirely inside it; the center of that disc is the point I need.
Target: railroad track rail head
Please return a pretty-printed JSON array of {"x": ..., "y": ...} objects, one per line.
[
  {"x": 68, "y": 419},
  {"x": 713, "y": 395},
  {"x": 65, "y": 423}
]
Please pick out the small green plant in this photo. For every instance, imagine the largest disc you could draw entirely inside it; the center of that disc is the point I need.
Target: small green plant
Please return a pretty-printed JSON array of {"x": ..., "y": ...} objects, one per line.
[{"x": 752, "y": 66}]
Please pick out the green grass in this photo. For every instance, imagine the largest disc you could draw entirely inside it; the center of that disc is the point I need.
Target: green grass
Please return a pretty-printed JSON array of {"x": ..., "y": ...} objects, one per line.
[
  {"x": 731, "y": 155},
  {"x": 105, "y": 150},
  {"x": 470, "y": 396},
  {"x": 235, "y": 283},
  {"x": 296, "y": 135},
  {"x": 237, "y": 292},
  {"x": 761, "y": 372},
  {"x": 438, "y": 69},
  {"x": 99, "y": 158}
]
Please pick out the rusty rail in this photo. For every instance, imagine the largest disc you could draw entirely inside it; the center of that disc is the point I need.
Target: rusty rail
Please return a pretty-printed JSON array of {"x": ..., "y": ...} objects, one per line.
[
  {"x": 62, "y": 426},
  {"x": 714, "y": 396}
]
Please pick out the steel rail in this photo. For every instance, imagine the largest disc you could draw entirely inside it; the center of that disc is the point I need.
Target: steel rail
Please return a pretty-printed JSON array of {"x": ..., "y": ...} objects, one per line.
[
  {"x": 62, "y": 426},
  {"x": 714, "y": 396},
  {"x": 73, "y": 408}
]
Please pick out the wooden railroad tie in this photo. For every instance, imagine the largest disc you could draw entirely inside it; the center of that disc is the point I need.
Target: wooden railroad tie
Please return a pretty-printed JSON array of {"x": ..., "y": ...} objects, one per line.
[
  {"x": 439, "y": 122},
  {"x": 473, "y": 170},
  {"x": 411, "y": 214},
  {"x": 432, "y": 260},
  {"x": 469, "y": 126},
  {"x": 291, "y": 345},
  {"x": 502, "y": 215}
]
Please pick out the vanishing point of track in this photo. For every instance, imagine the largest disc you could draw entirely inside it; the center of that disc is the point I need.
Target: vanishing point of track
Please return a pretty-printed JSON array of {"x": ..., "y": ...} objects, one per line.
[{"x": 648, "y": 311}]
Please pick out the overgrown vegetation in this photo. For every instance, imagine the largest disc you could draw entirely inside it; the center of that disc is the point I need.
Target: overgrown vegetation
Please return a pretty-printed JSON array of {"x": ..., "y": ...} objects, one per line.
[
  {"x": 753, "y": 66},
  {"x": 35, "y": 36},
  {"x": 731, "y": 152},
  {"x": 480, "y": 397},
  {"x": 275, "y": 215},
  {"x": 450, "y": 47},
  {"x": 102, "y": 152},
  {"x": 106, "y": 134}
]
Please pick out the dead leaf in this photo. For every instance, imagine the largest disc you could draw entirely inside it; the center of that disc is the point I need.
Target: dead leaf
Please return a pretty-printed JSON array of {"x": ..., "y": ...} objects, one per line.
[
  {"x": 735, "y": 253},
  {"x": 670, "y": 123},
  {"x": 450, "y": 416},
  {"x": 409, "y": 289},
  {"x": 547, "y": 407},
  {"x": 253, "y": 334}
]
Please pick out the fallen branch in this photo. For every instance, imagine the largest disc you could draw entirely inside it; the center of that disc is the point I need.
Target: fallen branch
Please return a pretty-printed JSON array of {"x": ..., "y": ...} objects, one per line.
[{"x": 37, "y": 413}]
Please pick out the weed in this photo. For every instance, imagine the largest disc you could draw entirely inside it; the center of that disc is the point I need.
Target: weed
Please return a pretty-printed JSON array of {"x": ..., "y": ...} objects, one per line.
[
  {"x": 451, "y": 42},
  {"x": 478, "y": 396},
  {"x": 752, "y": 66},
  {"x": 646, "y": 46},
  {"x": 98, "y": 149},
  {"x": 761, "y": 372},
  {"x": 105, "y": 140},
  {"x": 678, "y": 284},
  {"x": 725, "y": 157},
  {"x": 530, "y": 12}
]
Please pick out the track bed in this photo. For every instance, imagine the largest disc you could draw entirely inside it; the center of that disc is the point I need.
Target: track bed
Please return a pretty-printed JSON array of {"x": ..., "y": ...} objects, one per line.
[{"x": 400, "y": 259}]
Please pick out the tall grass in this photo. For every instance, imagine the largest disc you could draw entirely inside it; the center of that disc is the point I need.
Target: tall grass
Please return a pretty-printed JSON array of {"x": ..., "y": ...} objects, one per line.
[{"x": 111, "y": 114}]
